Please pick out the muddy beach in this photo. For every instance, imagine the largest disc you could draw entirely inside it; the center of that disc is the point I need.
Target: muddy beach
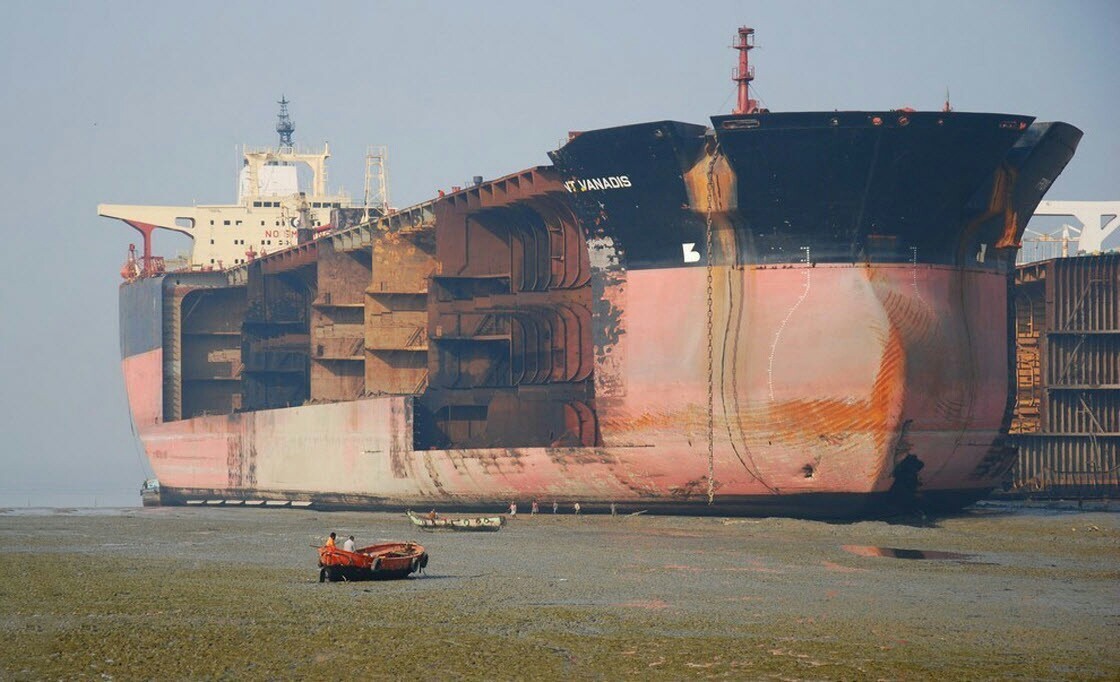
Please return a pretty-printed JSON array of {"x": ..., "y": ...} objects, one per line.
[{"x": 1001, "y": 591}]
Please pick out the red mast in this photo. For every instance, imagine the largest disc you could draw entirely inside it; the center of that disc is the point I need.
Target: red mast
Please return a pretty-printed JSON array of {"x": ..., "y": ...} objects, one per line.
[{"x": 744, "y": 74}]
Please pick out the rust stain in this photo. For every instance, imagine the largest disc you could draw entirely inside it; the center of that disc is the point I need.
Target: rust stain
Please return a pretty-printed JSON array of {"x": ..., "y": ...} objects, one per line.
[
  {"x": 653, "y": 420},
  {"x": 913, "y": 317},
  {"x": 724, "y": 183},
  {"x": 396, "y": 463},
  {"x": 580, "y": 457},
  {"x": 433, "y": 474},
  {"x": 694, "y": 488}
]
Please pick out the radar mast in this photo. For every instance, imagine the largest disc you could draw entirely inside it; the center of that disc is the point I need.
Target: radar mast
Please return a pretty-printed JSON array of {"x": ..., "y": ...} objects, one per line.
[{"x": 284, "y": 125}]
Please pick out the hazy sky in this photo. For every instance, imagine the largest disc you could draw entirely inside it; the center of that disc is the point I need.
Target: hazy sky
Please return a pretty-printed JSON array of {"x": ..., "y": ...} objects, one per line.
[{"x": 139, "y": 103}]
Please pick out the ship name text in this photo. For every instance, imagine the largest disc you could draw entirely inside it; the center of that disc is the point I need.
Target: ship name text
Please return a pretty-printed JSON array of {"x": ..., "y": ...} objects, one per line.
[{"x": 588, "y": 184}]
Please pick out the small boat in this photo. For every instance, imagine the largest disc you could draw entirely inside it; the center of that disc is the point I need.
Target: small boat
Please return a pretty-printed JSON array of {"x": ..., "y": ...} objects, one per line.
[
  {"x": 447, "y": 523},
  {"x": 384, "y": 561}
]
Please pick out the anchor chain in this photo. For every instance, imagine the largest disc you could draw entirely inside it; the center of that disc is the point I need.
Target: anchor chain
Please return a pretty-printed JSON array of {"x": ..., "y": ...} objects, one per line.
[{"x": 711, "y": 354}]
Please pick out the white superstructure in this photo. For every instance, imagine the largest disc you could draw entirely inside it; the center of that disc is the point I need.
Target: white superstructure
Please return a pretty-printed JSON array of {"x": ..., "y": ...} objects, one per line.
[
  {"x": 269, "y": 210},
  {"x": 271, "y": 207}
]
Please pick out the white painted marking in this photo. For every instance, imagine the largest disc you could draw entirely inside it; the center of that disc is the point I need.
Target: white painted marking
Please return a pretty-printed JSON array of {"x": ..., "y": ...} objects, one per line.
[
  {"x": 914, "y": 275},
  {"x": 691, "y": 255}
]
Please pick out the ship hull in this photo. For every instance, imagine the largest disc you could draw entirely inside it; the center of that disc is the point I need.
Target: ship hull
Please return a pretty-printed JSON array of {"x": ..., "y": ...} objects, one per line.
[
  {"x": 796, "y": 314},
  {"x": 809, "y": 418}
]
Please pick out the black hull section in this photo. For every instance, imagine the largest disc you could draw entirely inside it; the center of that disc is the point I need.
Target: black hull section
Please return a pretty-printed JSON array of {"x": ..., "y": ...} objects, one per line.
[
  {"x": 871, "y": 187},
  {"x": 852, "y": 190},
  {"x": 141, "y": 316}
]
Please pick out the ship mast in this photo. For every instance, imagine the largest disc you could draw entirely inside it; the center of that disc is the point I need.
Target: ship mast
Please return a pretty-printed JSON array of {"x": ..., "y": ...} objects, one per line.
[
  {"x": 744, "y": 74},
  {"x": 284, "y": 125}
]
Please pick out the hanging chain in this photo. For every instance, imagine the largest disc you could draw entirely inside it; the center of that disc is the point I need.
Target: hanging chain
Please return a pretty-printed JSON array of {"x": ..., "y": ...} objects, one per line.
[{"x": 711, "y": 355}]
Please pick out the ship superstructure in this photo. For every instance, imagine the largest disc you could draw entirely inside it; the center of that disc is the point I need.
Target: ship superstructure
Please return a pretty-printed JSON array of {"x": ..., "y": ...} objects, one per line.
[
  {"x": 800, "y": 313},
  {"x": 271, "y": 208}
]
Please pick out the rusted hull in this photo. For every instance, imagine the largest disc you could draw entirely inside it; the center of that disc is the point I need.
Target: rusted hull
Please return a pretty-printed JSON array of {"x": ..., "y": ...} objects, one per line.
[
  {"x": 803, "y": 407},
  {"x": 802, "y": 314},
  {"x": 1067, "y": 412}
]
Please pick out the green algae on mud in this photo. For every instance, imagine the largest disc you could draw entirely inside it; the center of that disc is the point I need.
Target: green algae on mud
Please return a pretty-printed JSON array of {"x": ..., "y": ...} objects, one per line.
[{"x": 227, "y": 594}]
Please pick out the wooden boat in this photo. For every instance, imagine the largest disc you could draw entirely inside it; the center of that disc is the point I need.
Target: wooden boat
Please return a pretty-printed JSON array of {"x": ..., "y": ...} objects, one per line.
[
  {"x": 384, "y": 561},
  {"x": 449, "y": 523}
]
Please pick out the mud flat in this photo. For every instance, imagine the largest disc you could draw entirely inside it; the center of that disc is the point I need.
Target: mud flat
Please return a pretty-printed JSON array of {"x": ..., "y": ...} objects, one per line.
[{"x": 1003, "y": 591}]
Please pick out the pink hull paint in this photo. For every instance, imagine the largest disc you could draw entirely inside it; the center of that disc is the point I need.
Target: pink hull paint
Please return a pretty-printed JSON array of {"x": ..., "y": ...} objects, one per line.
[
  {"x": 824, "y": 377},
  {"x": 143, "y": 381}
]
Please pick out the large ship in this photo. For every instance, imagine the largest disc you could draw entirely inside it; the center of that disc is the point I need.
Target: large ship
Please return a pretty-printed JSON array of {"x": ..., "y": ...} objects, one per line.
[{"x": 779, "y": 313}]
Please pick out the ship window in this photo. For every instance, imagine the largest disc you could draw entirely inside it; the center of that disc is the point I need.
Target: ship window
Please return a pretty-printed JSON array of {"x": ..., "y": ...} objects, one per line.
[
  {"x": 270, "y": 242},
  {"x": 238, "y": 222},
  {"x": 211, "y": 261},
  {"x": 262, "y": 223},
  {"x": 256, "y": 204},
  {"x": 211, "y": 222},
  {"x": 211, "y": 241},
  {"x": 225, "y": 222}
]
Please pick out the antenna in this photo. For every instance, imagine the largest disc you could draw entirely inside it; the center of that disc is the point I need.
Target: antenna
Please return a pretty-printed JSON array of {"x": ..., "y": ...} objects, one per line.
[
  {"x": 947, "y": 107},
  {"x": 377, "y": 158},
  {"x": 744, "y": 74},
  {"x": 284, "y": 124}
]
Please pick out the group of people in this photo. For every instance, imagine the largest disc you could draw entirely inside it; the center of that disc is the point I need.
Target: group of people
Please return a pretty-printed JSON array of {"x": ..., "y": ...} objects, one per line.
[
  {"x": 348, "y": 545},
  {"x": 535, "y": 508}
]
